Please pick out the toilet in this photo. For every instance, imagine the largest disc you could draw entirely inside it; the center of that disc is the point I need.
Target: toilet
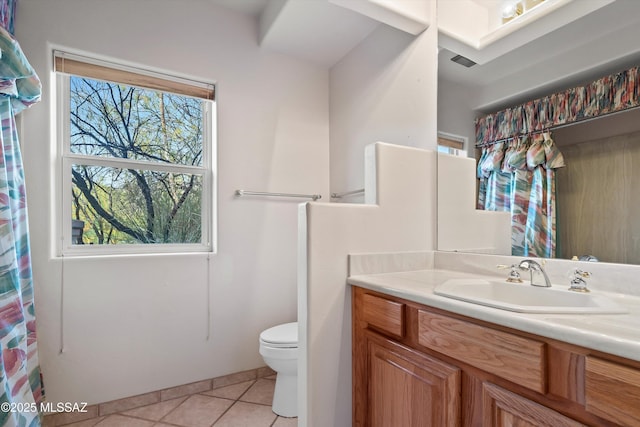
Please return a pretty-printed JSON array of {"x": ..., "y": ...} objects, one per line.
[{"x": 279, "y": 349}]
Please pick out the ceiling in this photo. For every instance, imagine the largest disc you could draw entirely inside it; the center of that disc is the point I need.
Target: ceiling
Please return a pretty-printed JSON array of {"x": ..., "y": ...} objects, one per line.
[
  {"x": 248, "y": 7},
  {"x": 319, "y": 31},
  {"x": 323, "y": 31},
  {"x": 600, "y": 43}
]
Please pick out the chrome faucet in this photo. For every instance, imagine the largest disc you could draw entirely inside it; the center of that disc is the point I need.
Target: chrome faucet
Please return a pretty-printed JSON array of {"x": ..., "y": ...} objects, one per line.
[{"x": 533, "y": 267}]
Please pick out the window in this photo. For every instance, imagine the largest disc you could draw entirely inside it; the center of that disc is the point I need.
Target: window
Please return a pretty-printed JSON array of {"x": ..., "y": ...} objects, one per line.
[
  {"x": 451, "y": 144},
  {"x": 136, "y": 158}
]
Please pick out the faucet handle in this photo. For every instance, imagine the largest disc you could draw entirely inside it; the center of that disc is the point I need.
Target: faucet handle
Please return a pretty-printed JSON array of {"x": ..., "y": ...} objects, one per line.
[
  {"x": 581, "y": 273},
  {"x": 514, "y": 275},
  {"x": 578, "y": 284}
]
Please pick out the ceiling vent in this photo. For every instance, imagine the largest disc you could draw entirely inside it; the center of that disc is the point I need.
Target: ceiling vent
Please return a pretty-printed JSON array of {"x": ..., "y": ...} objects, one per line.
[{"x": 459, "y": 59}]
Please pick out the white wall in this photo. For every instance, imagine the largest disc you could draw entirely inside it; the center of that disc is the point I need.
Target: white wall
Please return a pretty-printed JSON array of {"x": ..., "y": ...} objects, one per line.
[
  {"x": 134, "y": 324},
  {"x": 383, "y": 90},
  {"x": 401, "y": 220},
  {"x": 461, "y": 227},
  {"x": 455, "y": 111}
]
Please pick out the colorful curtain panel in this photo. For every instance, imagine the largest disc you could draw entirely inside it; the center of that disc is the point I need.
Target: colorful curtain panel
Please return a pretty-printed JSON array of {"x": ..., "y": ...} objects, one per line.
[
  {"x": 606, "y": 95},
  {"x": 7, "y": 12},
  {"x": 19, "y": 370},
  {"x": 519, "y": 177}
]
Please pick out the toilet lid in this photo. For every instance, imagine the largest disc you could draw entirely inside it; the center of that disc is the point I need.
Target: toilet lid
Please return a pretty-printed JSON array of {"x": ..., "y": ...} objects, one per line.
[{"x": 280, "y": 335}]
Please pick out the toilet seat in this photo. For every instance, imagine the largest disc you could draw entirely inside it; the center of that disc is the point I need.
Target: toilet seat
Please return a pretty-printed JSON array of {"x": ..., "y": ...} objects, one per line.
[{"x": 281, "y": 336}]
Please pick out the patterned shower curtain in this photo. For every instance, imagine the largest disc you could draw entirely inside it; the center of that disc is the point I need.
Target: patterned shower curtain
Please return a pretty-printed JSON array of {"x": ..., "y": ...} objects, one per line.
[
  {"x": 519, "y": 177},
  {"x": 19, "y": 371},
  {"x": 7, "y": 13}
]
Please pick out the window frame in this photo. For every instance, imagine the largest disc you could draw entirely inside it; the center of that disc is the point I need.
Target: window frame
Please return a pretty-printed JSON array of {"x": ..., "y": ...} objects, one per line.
[
  {"x": 66, "y": 158},
  {"x": 454, "y": 145}
]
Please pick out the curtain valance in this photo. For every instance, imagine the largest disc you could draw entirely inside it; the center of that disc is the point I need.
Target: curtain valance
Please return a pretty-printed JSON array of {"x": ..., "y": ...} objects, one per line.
[{"x": 606, "y": 95}]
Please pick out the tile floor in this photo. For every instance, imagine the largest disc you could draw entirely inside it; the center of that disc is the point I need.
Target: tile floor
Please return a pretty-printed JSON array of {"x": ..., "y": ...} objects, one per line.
[{"x": 246, "y": 404}]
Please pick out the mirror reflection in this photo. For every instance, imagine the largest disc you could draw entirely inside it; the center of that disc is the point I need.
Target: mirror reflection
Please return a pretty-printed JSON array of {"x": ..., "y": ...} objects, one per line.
[{"x": 568, "y": 184}]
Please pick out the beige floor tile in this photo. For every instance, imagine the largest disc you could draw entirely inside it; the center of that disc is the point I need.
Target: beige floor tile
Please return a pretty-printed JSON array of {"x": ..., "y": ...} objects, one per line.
[
  {"x": 64, "y": 418},
  {"x": 87, "y": 423},
  {"x": 219, "y": 406},
  {"x": 265, "y": 371},
  {"x": 198, "y": 411},
  {"x": 129, "y": 403},
  {"x": 185, "y": 390},
  {"x": 122, "y": 421},
  {"x": 156, "y": 411},
  {"x": 261, "y": 392},
  {"x": 236, "y": 378},
  {"x": 232, "y": 392},
  {"x": 286, "y": 422},
  {"x": 247, "y": 414}
]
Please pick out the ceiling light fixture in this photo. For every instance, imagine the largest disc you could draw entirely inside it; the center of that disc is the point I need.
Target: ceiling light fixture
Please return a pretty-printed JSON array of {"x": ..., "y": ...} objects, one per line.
[{"x": 510, "y": 10}]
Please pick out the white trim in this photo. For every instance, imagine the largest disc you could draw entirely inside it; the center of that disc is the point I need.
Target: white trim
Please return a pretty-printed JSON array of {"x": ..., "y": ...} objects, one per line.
[
  {"x": 210, "y": 220},
  {"x": 120, "y": 163},
  {"x": 140, "y": 249},
  {"x": 64, "y": 159},
  {"x": 63, "y": 106}
]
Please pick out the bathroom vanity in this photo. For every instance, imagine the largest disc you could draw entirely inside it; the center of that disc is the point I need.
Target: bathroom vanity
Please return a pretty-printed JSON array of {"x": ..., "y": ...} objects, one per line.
[{"x": 420, "y": 359}]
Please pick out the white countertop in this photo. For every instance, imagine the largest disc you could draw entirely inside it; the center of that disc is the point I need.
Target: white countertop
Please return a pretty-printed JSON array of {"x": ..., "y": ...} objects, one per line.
[{"x": 617, "y": 334}]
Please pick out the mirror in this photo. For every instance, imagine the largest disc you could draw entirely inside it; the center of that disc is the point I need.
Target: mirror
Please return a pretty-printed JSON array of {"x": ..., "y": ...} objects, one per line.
[{"x": 596, "y": 199}]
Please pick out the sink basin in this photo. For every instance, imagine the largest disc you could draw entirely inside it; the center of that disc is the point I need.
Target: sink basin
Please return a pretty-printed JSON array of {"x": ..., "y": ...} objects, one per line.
[{"x": 524, "y": 298}]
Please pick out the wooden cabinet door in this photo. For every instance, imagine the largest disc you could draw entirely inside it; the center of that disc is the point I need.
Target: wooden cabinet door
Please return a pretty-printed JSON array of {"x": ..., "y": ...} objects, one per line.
[
  {"x": 502, "y": 408},
  {"x": 613, "y": 391},
  {"x": 409, "y": 389}
]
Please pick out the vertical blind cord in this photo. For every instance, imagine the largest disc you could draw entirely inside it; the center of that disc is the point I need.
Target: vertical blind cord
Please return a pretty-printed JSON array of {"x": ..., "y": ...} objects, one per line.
[
  {"x": 62, "y": 349},
  {"x": 208, "y": 296}
]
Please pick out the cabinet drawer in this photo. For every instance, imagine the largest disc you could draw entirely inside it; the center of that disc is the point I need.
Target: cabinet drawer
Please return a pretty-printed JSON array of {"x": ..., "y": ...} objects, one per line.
[
  {"x": 383, "y": 314},
  {"x": 612, "y": 391},
  {"x": 517, "y": 359}
]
